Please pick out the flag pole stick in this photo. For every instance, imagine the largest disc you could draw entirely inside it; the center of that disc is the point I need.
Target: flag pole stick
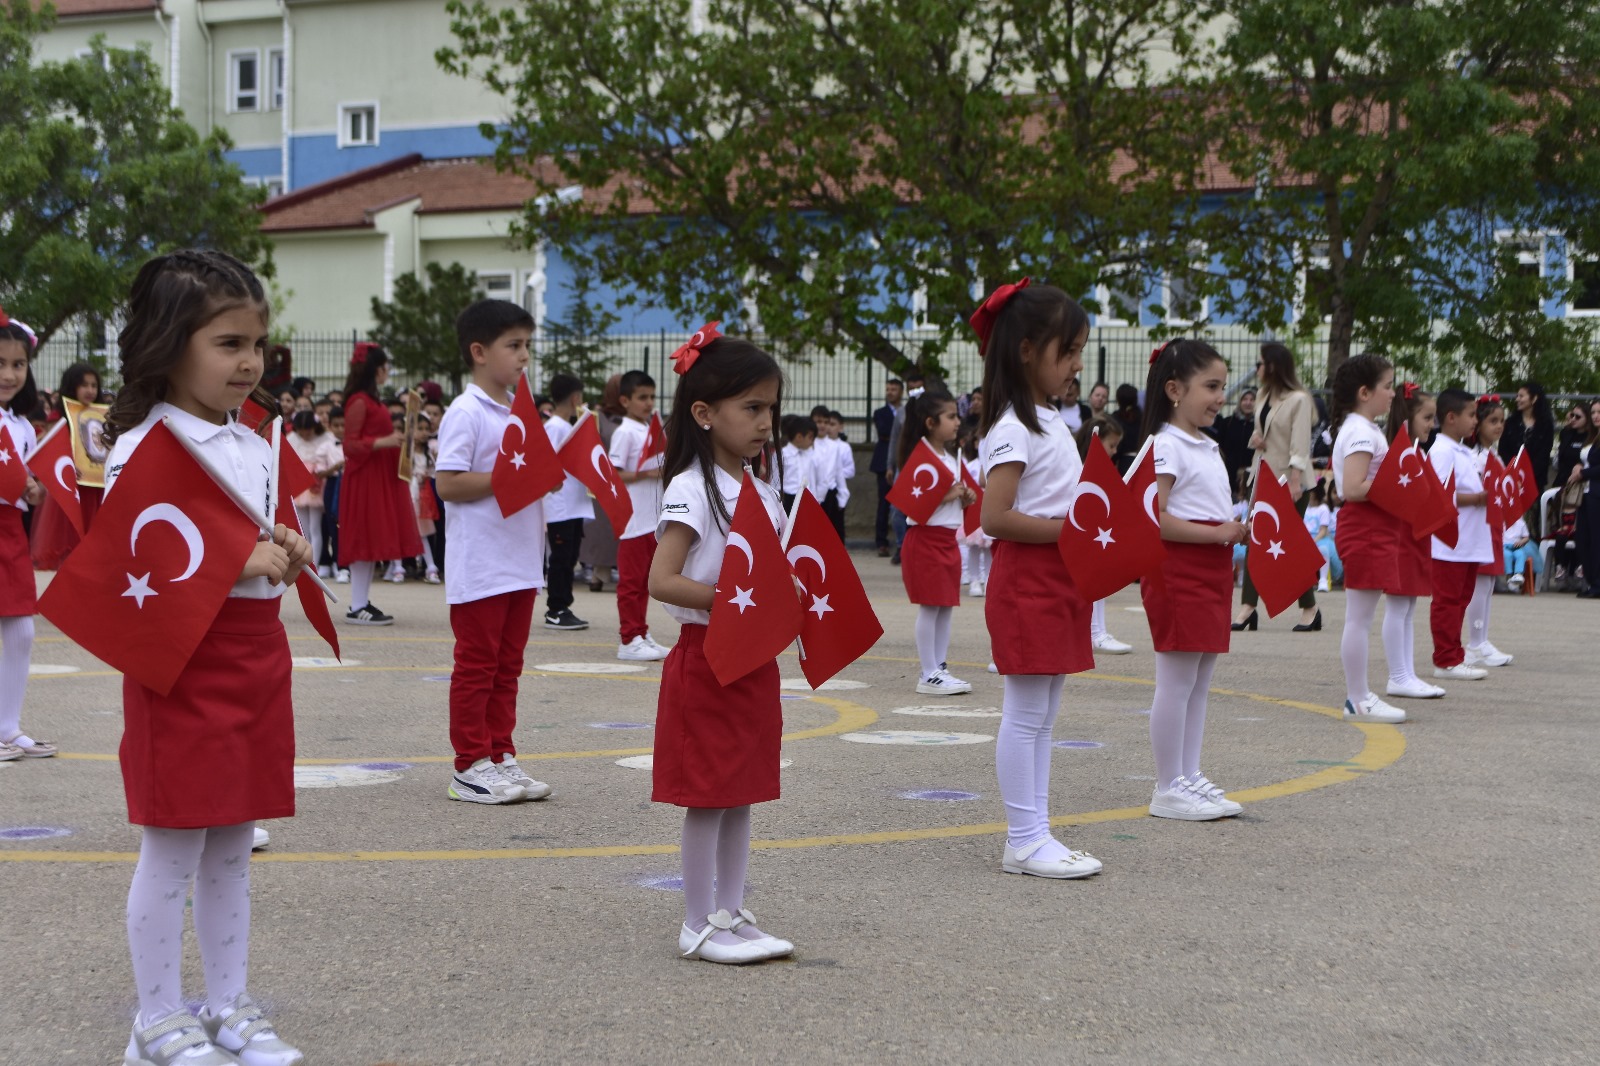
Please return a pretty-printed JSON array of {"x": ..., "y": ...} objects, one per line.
[
  {"x": 272, "y": 471},
  {"x": 788, "y": 527},
  {"x": 238, "y": 498}
]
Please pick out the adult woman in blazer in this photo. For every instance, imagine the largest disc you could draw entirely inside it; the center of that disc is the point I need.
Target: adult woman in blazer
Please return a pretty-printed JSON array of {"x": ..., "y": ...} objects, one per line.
[{"x": 1283, "y": 421}]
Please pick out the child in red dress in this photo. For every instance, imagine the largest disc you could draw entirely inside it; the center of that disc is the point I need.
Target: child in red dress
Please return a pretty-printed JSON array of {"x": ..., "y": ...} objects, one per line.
[
  {"x": 1413, "y": 576},
  {"x": 18, "y": 396}
]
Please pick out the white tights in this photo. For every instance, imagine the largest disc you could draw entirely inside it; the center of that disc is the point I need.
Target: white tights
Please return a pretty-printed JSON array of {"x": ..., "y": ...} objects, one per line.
[
  {"x": 1022, "y": 758},
  {"x": 716, "y": 857},
  {"x": 933, "y": 637},
  {"x": 311, "y": 526},
  {"x": 219, "y": 860},
  {"x": 1399, "y": 640},
  {"x": 16, "y": 648},
  {"x": 1477, "y": 611},
  {"x": 1360, "y": 608},
  {"x": 1178, "y": 715},
  {"x": 1097, "y": 620},
  {"x": 361, "y": 583},
  {"x": 978, "y": 562}
]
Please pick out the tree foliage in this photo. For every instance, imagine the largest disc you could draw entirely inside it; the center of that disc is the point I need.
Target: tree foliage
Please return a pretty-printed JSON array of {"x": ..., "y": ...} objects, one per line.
[
  {"x": 418, "y": 327},
  {"x": 98, "y": 172},
  {"x": 577, "y": 346}
]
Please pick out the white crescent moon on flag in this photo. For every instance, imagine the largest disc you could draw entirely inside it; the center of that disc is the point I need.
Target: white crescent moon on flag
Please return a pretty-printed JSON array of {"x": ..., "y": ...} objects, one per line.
[
  {"x": 65, "y": 463},
  {"x": 514, "y": 420},
  {"x": 1261, "y": 508},
  {"x": 170, "y": 514},
  {"x": 737, "y": 540},
  {"x": 1508, "y": 487},
  {"x": 1150, "y": 502},
  {"x": 597, "y": 456},
  {"x": 1086, "y": 488},
  {"x": 1414, "y": 451},
  {"x": 806, "y": 551},
  {"x": 919, "y": 468}
]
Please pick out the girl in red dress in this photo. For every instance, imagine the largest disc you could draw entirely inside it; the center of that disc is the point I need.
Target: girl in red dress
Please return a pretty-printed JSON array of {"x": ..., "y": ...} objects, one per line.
[
  {"x": 1188, "y": 600},
  {"x": 1480, "y": 651},
  {"x": 716, "y": 750},
  {"x": 53, "y": 534},
  {"x": 1413, "y": 577},
  {"x": 201, "y": 764},
  {"x": 376, "y": 519}
]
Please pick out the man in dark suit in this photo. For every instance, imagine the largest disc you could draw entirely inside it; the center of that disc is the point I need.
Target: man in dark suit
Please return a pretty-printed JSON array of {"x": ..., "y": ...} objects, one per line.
[{"x": 883, "y": 423}]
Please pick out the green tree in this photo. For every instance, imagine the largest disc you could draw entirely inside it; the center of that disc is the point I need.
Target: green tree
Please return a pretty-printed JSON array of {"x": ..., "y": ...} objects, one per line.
[
  {"x": 98, "y": 172},
  {"x": 418, "y": 327},
  {"x": 842, "y": 169},
  {"x": 577, "y": 346}
]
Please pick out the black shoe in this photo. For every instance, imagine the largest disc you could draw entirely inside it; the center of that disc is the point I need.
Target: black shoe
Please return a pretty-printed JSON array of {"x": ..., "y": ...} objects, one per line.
[
  {"x": 563, "y": 619},
  {"x": 1315, "y": 625},
  {"x": 894, "y": 559},
  {"x": 369, "y": 616},
  {"x": 1249, "y": 623}
]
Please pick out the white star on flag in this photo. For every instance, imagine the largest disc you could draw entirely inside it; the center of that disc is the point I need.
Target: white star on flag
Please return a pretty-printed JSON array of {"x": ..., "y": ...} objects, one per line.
[
  {"x": 5, "y": 457},
  {"x": 1275, "y": 548},
  {"x": 1405, "y": 479},
  {"x": 819, "y": 605},
  {"x": 1105, "y": 539},
  {"x": 139, "y": 588},
  {"x": 518, "y": 461},
  {"x": 742, "y": 598},
  {"x": 916, "y": 490}
]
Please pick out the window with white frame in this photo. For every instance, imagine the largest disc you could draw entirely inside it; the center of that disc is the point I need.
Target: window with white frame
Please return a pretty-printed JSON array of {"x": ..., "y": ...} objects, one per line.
[
  {"x": 1119, "y": 295},
  {"x": 1583, "y": 290},
  {"x": 358, "y": 124},
  {"x": 277, "y": 77},
  {"x": 244, "y": 80},
  {"x": 495, "y": 284},
  {"x": 1180, "y": 292},
  {"x": 1316, "y": 284},
  {"x": 1523, "y": 254}
]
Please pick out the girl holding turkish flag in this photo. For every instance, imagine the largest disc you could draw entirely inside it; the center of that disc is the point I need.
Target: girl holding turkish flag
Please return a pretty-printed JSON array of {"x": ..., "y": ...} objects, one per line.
[
  {"x": 1413, "y": 578},
  {"x": 1491, "y": 427},
  {"x": 18, "y": 396},
  {"x": 716, "y": 750}
]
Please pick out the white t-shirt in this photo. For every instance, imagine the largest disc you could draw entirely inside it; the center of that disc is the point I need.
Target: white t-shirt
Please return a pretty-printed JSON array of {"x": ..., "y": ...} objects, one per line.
[
  {"x": 491, "y": 554},
  {"x": 1199, "y": 490},
  {"x": 1317, "y": 516},
  {"x": 320, "y": 454},
  {"x": 1072, "y": 417},
  {"x": 1051, "y": 464},
  {"x": 1514, "y": 532},
  {"x": 825, "y": 466},
  {"x": 571, "y": 500},
  {"x": 847, "y": 469},
  {"x": 800, "y": 471},
  {"x": 23, "y": 436},
  {"x": 627, "y": 444},
  {"x": 685, "y": 501},
  {"x": 948, "y": 513},
  {"x": 1473, "y": 544},
  {"x": 233, "y": 451},
  {"x": 1358, "y": 434}
]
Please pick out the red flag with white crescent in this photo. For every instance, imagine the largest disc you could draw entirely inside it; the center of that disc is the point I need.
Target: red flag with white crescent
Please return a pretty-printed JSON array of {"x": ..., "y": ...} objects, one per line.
[
  {"x": 13, "y": 471},
  {"x": 526, "y": 468},
  {"x": 1401, "y": 486},
  {"x": 1108, "y": 544},
  {"x": 584, "y": 457},
  {"x": 313, "y": 601},
  {"x": 1141, "y": 481},
  {"x": 839, "y": 625},
  {"x": 1500, "y": 490},
  {"x": 294, "y": 477},
  {"x": 1527, "y": 485},
  {"x": 756, "y": 613},
  {"x": 1444, "y": 501},
  {"x": 51, "y": 462},
  {"x": 655, "y": 441},
  {"x": 145, "y": 584},
  {"x": 972, "y": 517},
  {"x": 1284, "y": 561},
  {"x": 918, "y": 497}
]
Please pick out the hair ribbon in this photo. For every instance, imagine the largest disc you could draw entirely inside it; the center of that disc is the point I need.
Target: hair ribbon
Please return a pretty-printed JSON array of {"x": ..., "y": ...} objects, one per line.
[
  {"x": 983, "y": 318},
  {"x": 1408, "y": 391},
  {"x": 4, "y": 319},
  {"x": 1489, "y": 397},
  {"x": 363, "y": 348},
  {"x": 685, "y": 356}
]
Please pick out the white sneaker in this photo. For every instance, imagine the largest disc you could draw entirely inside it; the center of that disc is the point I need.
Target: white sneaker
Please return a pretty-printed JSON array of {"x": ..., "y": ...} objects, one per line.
[
  {"x": 1515, "y": 582},
  {"x": 1183, "y": 801},
  {"x": 242, "y": 1032},
  {"x": 262, "y": 839},
  {"x": 342, "y": 577},
  {"x": 179, "y": 1039},
  {"x": 1213, "y": 792},
  {"x": 1486, "y": 654},
  {"x": 1460, "y": 672},
  {"x": 1111, "y": 645},
  {"x": 662, "y": 648},
  {"x": 1414, "y": 688},
  {"x": 1076, "y": 864},
  {"x": 325, "y": 571},
  {"x": 1372, "y": 709},
  {"x": 640, "y": 650},
  {"x": 977, "y": 588},
  {"x": 516, "y": 775},
  {"x": 482, "y": 782},
  {"x": 942, "y": 684},
  {"x": 395, "y": 577},
  {"x": 993, "y": 669}
]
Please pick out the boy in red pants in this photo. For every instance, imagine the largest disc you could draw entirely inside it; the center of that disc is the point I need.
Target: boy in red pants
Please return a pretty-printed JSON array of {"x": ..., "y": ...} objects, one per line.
[
  {"x": 636, "y": 545},
  {"x": 1455, "y": 569}
]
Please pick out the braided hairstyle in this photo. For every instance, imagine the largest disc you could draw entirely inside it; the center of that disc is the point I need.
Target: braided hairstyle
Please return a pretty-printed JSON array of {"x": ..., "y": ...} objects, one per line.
[{"x": 173, "y": 296}]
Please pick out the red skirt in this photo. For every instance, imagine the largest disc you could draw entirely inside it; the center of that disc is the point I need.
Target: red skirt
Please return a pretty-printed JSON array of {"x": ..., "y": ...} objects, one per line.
[
  {"x": 930, "y": 566},
  {"x": 1368, "y": 539},
  {"x": 1038, "y": 623},
  {"x": 219, "y": 750},
  {"x": 1188, "y": 600},
  {"x": 376, "y": 519},
  {"x": 716, "y": 746},
  {"x": 16, "y": 566},
  {"x": 1413, "y": 566}
]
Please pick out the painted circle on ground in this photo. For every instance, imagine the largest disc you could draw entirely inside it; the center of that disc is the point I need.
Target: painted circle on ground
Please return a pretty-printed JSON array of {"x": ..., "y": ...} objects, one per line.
[
  {"x": 661, "y": 883},
  {"x": 383, "y": 766},
  {"x": 42, "y": 669},
  {"x": 430, "y": 677},
  {"x": 939, "y": 795},
  {"x": 343, "y": 776},
  {"x": 33, "y": 832},
  {"x": 322, "y": 662},
  {"x": 1080, "y": 745},
  {"x": 833, "y": 684},
  {"x": 645, "y": 762},
  {"x": 591, "y": 668},
  {"x": 620, "y": 725},
  {"x": 914, "y": 737},
  {"x": 934, "y": 710}
]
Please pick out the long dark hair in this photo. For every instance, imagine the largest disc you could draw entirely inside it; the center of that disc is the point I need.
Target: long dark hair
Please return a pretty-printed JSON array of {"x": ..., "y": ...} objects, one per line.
[
  {"x": 173, "y": 296},
  {"x": 1542, "y": 415},
  {"x": 72, "y": 378},
  {"x": 1404, "y": 409},
  {"x": 727, "y": 367},
  {"x": 1100, "y": 427},
  {"x": 27, "y": 397},
  {"x": 918, "y": 411},
  {"x": 364, "y": 366},
  {"x": 1038, "y": 314},
  {"x": 1180, "y": 360},
  {"x": 1358, "y": 372},
  {"x": 1486, "y": 403},
  {"x": 1277, "y": 364}
]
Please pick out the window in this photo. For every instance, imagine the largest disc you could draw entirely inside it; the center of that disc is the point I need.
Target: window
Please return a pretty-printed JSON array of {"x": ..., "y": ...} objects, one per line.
[
  {"x": 1180, "y": 291},
  {"x": 1119, "y": 295},
  {"x": 244, "y": 80},
  {"x": 1316, "y": 284},
  {"x": 277, "y": 75},
  {"x": 1583, "y": 295},
  {"x": 495, "y": 284},
  {"x": 358, "y": 124}
]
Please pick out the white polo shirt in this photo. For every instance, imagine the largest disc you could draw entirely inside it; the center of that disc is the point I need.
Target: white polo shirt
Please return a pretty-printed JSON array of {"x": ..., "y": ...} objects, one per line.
[
  {"x": 800, "y": 471},
  {"x": 685, "y": 501},
  {"x": 1357, "y": 434},
  {"x": 1051, "y": 466},
  {"x": 490, "y": 554},
  {"x": 627, "y": 444},
  {"x": 1473, "y": 542},
  {"x": 233, "y": 451},
  {"x": 23, "y": 436},
  {"x": 949, "y": 513},
  {"x": 571, "y": 500},
  {"x": 825, "y": 473},
  {"x": 1199, "y": 490}
]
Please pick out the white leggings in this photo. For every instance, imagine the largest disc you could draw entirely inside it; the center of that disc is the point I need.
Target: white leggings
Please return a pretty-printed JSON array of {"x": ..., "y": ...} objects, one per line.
[
  {"x": 1178, "y": 714},
  {"x": 976, "y": 562},
  {"x": 16, "y": 648},
  {"x": 1360, "y": 608},
  {"x": 1022, "y": 753},
  {"x": 933, "y": 637},
  {"x": 311, "y": 526},
  {"x": 1097, "y": 620},
  {"x": 1399, "y": 638},
  {"x": 218, "y": 860},
  {"x": 1478, "y": 611}
]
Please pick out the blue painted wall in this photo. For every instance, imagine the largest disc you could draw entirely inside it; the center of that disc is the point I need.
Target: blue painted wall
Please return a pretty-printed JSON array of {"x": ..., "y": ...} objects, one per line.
[
  {"x": 258, "y": 162},
  {"x": 318, "y": 157}
]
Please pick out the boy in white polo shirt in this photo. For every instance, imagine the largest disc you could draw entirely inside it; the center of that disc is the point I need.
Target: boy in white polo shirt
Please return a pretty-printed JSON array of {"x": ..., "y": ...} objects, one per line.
[
  {"x": 636, "y": 545},
  {"x": 1455, "y": 569},
  {"x": 498, "y": 562}
]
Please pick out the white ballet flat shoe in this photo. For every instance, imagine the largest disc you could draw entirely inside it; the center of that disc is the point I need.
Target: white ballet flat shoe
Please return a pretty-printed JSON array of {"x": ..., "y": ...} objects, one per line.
[
  {"x": 776, "y": 947},
  {"x": 1076, "y": 864},
  {"x": 693, "y": 945}
]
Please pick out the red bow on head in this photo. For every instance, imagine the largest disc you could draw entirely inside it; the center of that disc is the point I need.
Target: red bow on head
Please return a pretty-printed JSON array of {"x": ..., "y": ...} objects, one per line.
[
  {"x": 684, "y": 357},
  {"x": 1408, "y": 391},
  {"x": 1489, "y": 397},
  {"x": 1155, "y": 353},
  {"x": 4, "y": 321},
  {"x": 360, "y": 356},
  {"x": 983, "y": 318}
]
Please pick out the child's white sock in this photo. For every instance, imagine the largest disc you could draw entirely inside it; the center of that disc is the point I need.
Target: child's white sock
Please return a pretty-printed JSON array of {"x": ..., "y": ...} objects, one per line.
[{"x": 16, "y": 648}]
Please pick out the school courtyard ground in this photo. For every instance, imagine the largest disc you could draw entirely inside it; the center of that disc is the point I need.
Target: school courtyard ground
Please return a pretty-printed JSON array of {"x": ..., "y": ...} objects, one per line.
[{"x": 1416, "y": 894}]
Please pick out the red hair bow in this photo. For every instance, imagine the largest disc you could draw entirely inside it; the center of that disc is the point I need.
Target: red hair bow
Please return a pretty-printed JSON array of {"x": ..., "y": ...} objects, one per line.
[
  {"x": 983, "y": 318},
  {"x": 4, "y": 321},
  {"x": 685, "y": 357},
  {"x": 360, "y": 356},
  {"x": 1489, "y": 397},
  {"x": 1408, "y": 391}
]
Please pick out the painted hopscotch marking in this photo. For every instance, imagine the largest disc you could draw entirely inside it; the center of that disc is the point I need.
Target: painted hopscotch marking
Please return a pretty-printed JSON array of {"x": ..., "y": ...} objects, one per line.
[
  {"x": 591, "y": 668},
  {"x": 376, "y": 773}
]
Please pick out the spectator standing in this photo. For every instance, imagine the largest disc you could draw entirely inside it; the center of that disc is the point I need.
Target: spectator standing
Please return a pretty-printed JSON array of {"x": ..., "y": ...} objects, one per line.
[
  {"x": 1531, "y": 426},
  {"x": 1233, "y": 435}
]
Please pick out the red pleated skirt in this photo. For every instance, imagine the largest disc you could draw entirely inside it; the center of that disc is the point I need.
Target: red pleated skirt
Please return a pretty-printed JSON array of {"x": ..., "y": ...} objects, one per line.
[
  {"x": 376, "y": 518},
  {"x": 716, "y": 746},
  {"x": 930, "y": 566},
  {"x": 1038, "y": 623},
  {"x": 16, "y": 566},
  {"x": 218, "y": 750},
  {"x": 1413, "y": 565},
  {"x": 1368, "y": 539},
  {"x": 1188, "y": 601}
]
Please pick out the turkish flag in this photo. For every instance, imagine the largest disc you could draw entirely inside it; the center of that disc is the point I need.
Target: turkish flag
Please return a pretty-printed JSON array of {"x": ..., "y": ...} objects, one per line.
[
  {"x": 1115, "y": 549},
  {"x": 756, "y": 613},
  {"x": 1527, "y": 486},
  {"x": 1141, "y": 481},
  {"x": 916, "y": 499},
  {"x": 1404, "y": 490},
  {"x": 972, "y": 517},
  {"x": 293, "y": 475},
  {"x": 51, "y": 462},
  {"x": 313, "y": 601},
  {"x": 143, "y": 587},
  {"x": 1285, "y": 562},
  {"x": 1445, "y": 503},
  {"x": 584, "y": 457},
  {"x": 838, "y": 625},
  {"x": 13, "y": 471},
  {"x": 526, "y": 468},
  {"x": 252, "y": 414},
  {"x": 655, "y": 441}
]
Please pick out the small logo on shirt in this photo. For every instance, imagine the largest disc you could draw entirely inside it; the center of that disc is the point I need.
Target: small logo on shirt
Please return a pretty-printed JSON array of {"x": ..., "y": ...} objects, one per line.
[
  {"x": 1161, "y": 460},
  {"x": 1001, "y": 450},
  {"x": 675, "y": 508}
]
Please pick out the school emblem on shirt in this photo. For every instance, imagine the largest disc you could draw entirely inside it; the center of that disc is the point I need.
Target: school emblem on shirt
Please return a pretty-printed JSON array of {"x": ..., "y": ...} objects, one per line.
[
  {"x": 1000, "y": 450},
  {"x": 675, "y": 508}
]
